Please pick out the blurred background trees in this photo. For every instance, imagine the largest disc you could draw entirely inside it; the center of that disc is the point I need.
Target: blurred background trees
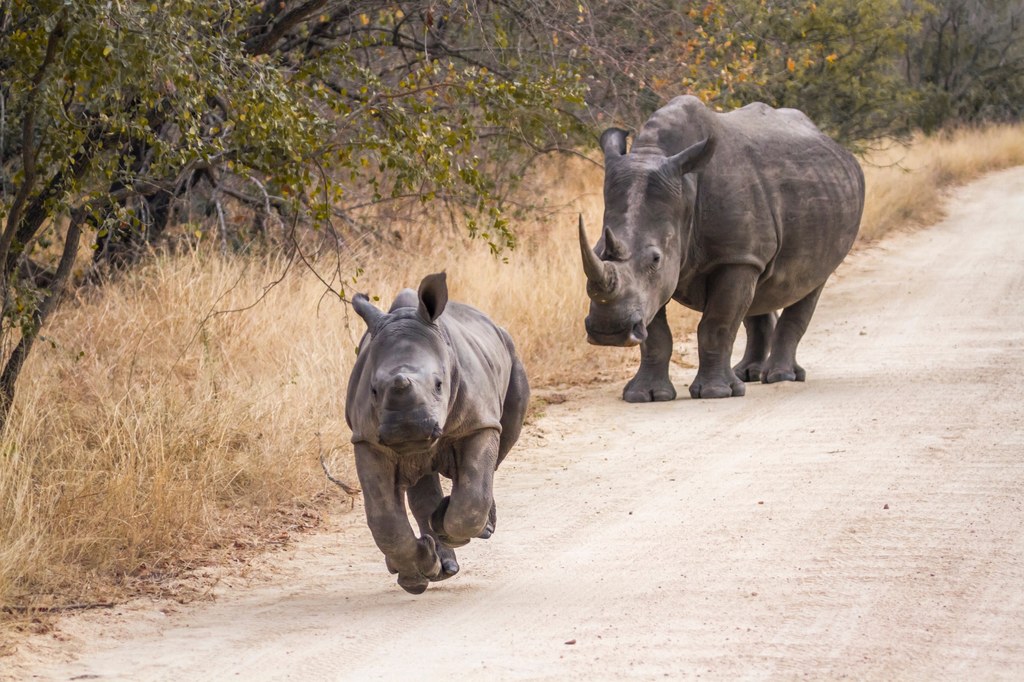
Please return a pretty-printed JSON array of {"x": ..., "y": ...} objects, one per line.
[
  {"x": 967, "y": 61},
  {"x": 303, "y": 125}
]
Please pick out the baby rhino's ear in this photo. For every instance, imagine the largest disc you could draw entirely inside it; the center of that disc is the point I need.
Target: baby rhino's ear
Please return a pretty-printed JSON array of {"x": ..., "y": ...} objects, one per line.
[
  {"x": 433, "y": 296},
  {"x": 366, "y": 310}
]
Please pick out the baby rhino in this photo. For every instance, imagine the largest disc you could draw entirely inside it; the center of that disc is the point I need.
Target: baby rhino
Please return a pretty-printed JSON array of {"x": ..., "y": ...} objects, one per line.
[{"x": 437, "y": 388}]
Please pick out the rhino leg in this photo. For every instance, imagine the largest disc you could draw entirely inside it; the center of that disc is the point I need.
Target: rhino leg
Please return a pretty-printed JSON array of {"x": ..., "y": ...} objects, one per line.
[
  {"x": 651, "y": 382},
  {"x": 424, "y": 498},
  {"x": 781, "y": 365},
  {"x": 759, "y": 343},
  {"x": 465, "y": 514},
  {"x": 415, "y": 560},
  {"x": 730, "y": 291}
]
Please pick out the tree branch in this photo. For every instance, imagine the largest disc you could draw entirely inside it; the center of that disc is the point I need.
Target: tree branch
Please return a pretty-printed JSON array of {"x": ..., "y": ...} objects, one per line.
[{"x": 274, "y": 30}]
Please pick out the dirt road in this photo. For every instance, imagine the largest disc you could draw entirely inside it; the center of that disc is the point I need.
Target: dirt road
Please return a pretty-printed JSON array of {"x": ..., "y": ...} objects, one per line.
[{"x": 868, "y": 523}]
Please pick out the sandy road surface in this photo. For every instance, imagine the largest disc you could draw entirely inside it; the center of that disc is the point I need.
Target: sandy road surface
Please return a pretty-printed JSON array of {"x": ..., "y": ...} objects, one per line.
[{"x": 868, "y": 523}]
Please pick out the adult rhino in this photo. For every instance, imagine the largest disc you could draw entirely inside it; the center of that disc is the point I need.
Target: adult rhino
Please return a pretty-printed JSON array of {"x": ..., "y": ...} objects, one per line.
[
  {"x": 436, "y": 388},
  {"x": 736, "y": 215}
]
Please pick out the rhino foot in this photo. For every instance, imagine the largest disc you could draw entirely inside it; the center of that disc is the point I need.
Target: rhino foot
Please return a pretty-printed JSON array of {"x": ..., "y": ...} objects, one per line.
[
  {"x": 717, "y": 389},
  {"x": 426, "y": 565},
  {"x": 777, "y": 374},
  {"x": 750, "y": 371},
  {"x": 492, "y": 523},
  {"x": 413, "y": 584},
  {"x": 437, "y": 525},
  {"x": 644, "y": 390},
  {"x": 449, "y": 565}
]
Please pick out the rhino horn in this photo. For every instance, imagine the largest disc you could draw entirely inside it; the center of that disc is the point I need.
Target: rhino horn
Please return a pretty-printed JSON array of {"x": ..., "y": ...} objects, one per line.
[
  {"x": 613, "y": 142},
  {"x": 370, "y": 313},
  {"x": 614, "y": 248},
  {"x": 597, "y": 270}
]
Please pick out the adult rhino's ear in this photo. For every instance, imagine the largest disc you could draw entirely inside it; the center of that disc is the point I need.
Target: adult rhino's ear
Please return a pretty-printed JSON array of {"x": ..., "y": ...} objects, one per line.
[
  {"x": 613, "y": 142},
  {"x": 694, "y": 157},
  {"x": 366, "y": 310},
  {"x": 433, "y": 296}
]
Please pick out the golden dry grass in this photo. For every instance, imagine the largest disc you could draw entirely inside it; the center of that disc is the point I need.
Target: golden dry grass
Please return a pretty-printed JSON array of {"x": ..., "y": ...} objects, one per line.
[
  {"x": 141, "y": 434},
  {"x": 149, "y": 432},
  {"x": 906, "y": 183}
]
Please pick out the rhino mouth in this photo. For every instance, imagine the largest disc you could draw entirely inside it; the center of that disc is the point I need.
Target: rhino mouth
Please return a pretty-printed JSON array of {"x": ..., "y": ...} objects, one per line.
[
  {"x": 632, "y": 335},
  {"x": 406, "y": 432}
]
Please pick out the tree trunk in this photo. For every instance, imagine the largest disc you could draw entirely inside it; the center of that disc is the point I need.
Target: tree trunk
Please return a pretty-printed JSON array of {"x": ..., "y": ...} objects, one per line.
[{"x": 12, "y": 370}]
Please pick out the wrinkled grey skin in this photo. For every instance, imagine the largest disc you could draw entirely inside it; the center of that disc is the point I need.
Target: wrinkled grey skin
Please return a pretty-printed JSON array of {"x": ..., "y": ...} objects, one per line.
[
  {"x": 437, "y": 389},
  {"x": 736, "y": 215}
]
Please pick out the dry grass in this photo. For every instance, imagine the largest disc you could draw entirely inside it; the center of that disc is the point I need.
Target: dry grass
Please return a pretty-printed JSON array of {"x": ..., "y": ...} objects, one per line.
[
  {"x": 906, "y": 184},
  {"x": 148, "y": 433},
  {"x": 142, "y": 435}
]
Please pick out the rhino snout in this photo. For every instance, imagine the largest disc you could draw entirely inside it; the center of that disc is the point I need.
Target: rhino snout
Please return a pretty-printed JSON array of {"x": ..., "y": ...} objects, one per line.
[
  {"x": 633, "y": 333},
  {"x": 400, "y": 394}
]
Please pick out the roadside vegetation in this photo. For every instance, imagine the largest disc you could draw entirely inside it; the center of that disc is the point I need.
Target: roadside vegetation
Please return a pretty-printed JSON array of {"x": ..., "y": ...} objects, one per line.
[{"x": 180, "y": 228}]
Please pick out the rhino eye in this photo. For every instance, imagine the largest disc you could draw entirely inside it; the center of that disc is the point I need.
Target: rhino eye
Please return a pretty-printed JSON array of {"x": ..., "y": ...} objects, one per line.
[
  {"x": 437, "y": 386},
  {"x": 373, "y": 392}
]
